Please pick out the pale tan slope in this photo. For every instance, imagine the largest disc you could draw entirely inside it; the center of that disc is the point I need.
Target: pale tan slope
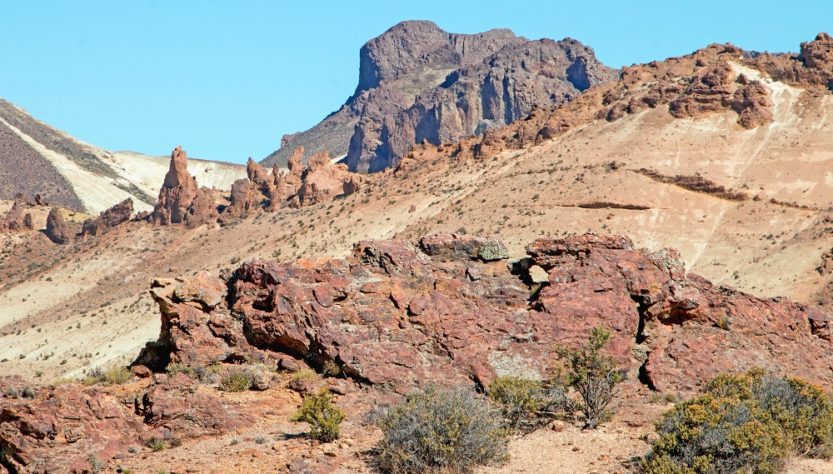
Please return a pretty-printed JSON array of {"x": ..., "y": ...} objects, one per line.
[
  {"x": 588, "y": 179},
  {"x": 100, "y": 178}
]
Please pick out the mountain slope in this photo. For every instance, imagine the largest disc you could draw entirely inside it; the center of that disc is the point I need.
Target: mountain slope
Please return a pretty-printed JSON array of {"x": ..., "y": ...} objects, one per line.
[
  {"x": 746, "y": 205},
  {"x": 418, "y": 82},
  {"x": 38, "y": 159}
]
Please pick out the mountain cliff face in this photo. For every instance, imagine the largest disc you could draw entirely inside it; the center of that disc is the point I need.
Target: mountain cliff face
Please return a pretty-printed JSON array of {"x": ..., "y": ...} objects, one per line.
[{"x": 419, "y": 83}]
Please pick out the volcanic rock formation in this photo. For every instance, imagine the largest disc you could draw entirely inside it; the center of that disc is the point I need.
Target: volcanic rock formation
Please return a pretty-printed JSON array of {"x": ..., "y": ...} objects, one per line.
[
  {"x": 118, "y": 214},
  {"x": 70, "y": 428},
  {"x": 451, "y": 310},
  {"x": 180, "y": 200},
  {"x": 418, "y": 82},
  {"x": 17, "y": 219},
  {"x": 318, "y": 182}
]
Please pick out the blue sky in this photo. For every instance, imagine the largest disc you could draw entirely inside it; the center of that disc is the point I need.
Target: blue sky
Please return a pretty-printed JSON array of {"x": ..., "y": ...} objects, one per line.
[{"x": 227, "y": 79}]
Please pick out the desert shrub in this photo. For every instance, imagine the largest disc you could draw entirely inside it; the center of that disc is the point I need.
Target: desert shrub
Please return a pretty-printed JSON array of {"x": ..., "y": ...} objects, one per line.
[
  {"x": 593, "y": 375},
  {"x": 235, "y": 380},
  {"x": 112, "y": 376},
  {"x": 527, "y": 404},
  {"x": 156, "y": 444},
  {"x": 322, "y": 415},
  {"x": 176, "y": 368},
  {"x": 743, "y": 422},
  {"x": 440, "y": 431}
]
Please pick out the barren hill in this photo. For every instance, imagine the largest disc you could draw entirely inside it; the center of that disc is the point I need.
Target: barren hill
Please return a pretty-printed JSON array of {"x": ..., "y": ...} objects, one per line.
[
  {"x": 419, "y": 83},
  {"x": 38, "y": 159}
]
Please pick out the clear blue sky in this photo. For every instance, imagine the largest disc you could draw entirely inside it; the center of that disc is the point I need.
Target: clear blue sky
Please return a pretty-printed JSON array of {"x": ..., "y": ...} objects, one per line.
[{"x": 227, "y": 79}]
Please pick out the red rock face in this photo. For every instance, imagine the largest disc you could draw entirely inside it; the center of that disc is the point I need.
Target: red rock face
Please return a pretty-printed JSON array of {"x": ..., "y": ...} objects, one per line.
[
  {"x": 118, "y": 214},
  {"x": 67, "y": 428},
  {"x": 451, "y": 311}
]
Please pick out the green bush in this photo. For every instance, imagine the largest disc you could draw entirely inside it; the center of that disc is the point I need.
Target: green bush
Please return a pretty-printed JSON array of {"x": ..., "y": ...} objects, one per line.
[
  {"x": 743, "y": 422},
  {"x": 527, "y": 404},
  {"x": 235, "y": 380},
  {"x": 440, "y": 431},
  {"x": 594, "y": 375},
  {"x": 323, "y": 416}
]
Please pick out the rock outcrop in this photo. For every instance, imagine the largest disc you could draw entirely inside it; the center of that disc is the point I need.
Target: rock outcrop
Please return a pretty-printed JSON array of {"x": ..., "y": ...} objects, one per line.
[
  {"x": 418, "y": 82},
  {"x": 70, "y": 428},
  {"x": 56, "y": 227},
  {"x": 452, "y": 311},
  {"x": 812, "y": 67},
  {"x": 118, "y": 214},
  {"x": 180, "y": 200},
  {"x": 17, "y": 219},
  {"x": 320, "y": 181}
]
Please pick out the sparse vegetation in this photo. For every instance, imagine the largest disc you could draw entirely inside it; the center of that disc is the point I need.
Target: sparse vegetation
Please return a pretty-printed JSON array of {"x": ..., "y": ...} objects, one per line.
[
  {"x": 156, "y": 444},
  {"x": 235, "y": 380},
  {"x": 323, "y": 416},
  {"x": 527, "y": 404},
  {"x": 440, "y": 431},
  {"x": 112, "y": 376},
  {"x": 744, "y": 422},
  {"x": 593, "y": 375}
]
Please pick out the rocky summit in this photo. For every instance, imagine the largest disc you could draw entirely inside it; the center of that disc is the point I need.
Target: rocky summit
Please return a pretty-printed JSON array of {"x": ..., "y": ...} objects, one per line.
[{"x": 418, "y": 83}]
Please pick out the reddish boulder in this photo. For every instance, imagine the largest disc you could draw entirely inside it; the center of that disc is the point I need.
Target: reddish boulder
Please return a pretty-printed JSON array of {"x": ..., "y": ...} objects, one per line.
[
  {"x": 108, "y": 219},
  {"x": 56, "y": 227},
  {"x": 322, "y": 180}
]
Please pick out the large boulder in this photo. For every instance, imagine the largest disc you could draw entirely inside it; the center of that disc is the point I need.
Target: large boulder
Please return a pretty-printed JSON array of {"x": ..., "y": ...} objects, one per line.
[{"x": 56, "y": 227}]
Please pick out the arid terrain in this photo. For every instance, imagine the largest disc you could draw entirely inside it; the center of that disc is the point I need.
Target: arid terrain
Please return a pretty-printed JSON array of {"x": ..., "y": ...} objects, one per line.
[{"x": 723, "y": 155}]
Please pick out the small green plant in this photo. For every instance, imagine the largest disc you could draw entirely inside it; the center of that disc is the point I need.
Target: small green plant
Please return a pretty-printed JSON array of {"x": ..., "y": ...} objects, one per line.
[
  {"x": 156, "y": 444},
  {"x": 527, "y": 404},
  {"x": 440, "y": 431},
  {"x": 235, "y": 380},
  {"x": 594, "y": 375},
  {"x": 323, "y": 416},
  {"x": 743, "y": 422}
]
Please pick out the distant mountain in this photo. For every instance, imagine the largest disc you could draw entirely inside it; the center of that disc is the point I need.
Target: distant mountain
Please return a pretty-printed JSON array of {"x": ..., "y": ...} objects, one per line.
[
  {"x": 38, "y": 159},
  {"x": 419, "y": 83}
]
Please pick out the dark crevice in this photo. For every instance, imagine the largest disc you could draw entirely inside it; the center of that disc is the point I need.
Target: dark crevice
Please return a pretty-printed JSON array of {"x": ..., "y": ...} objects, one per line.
[
  {"x": 644, "y": 378},
  {"x": 640, "y": 337}
]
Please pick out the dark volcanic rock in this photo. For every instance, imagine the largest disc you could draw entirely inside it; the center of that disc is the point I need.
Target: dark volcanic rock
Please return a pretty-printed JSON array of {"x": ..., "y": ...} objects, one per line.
[{"x": 418, "y": 82}]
